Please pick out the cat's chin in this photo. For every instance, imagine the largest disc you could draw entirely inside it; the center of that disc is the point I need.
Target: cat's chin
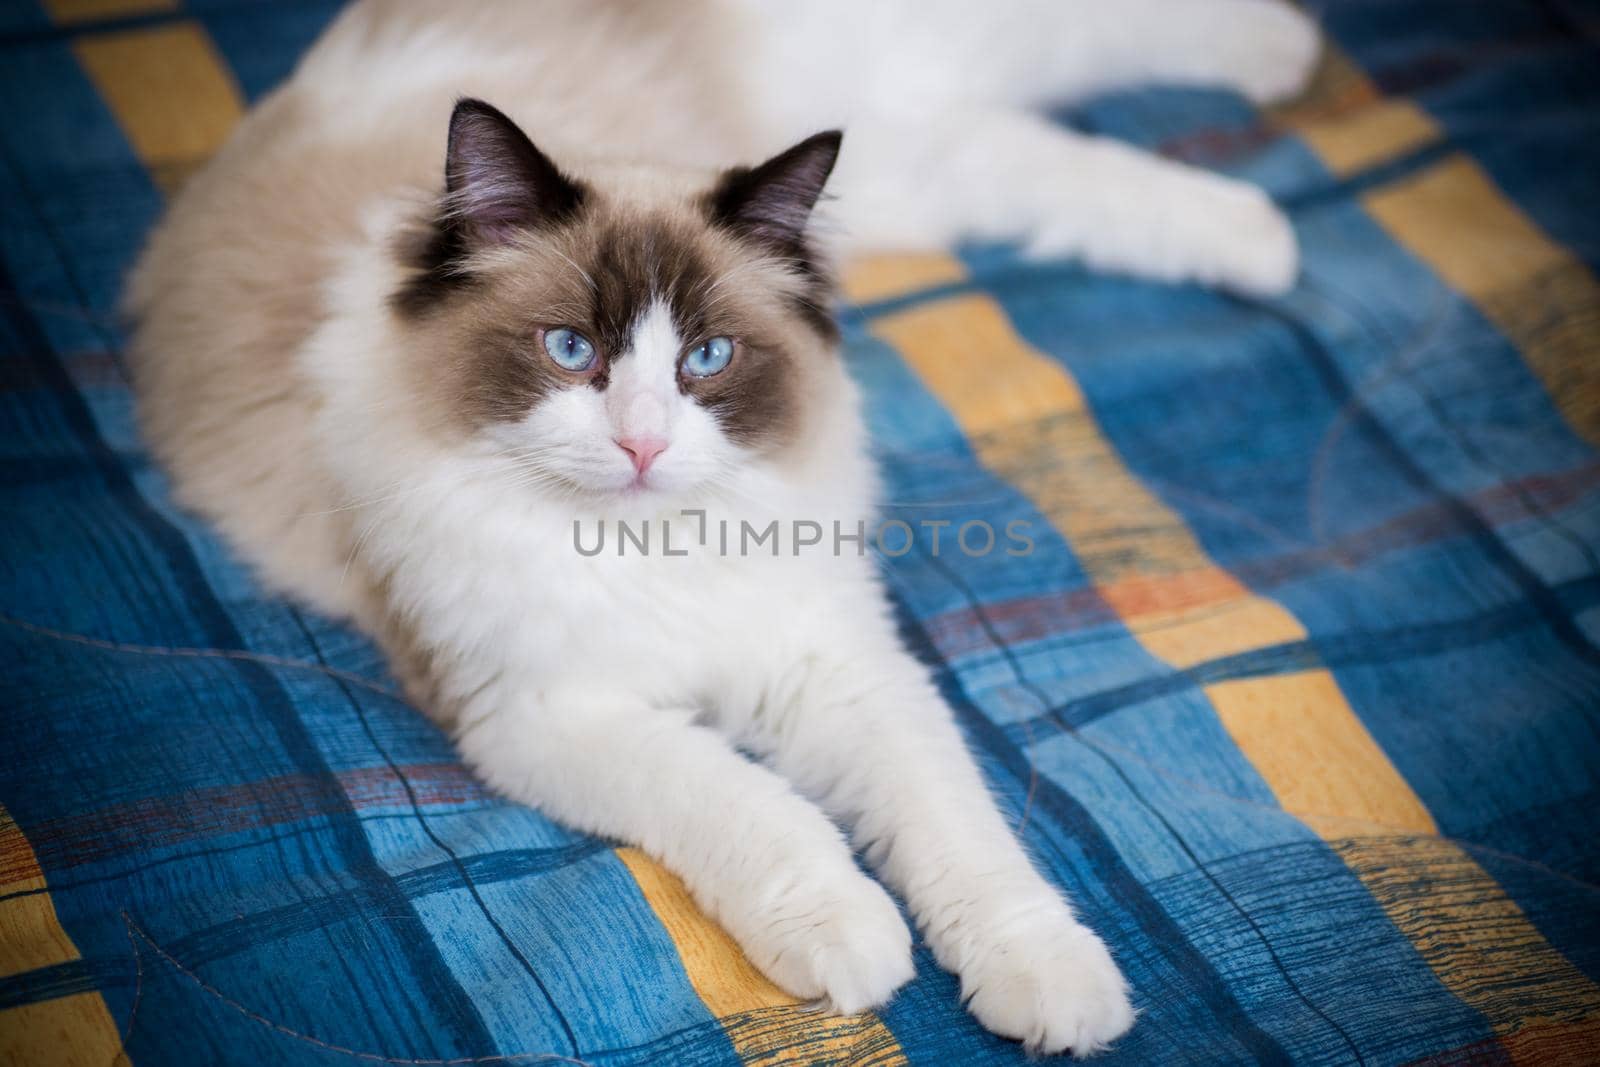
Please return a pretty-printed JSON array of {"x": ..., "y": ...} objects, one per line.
[{"x": 637, "y": 496}]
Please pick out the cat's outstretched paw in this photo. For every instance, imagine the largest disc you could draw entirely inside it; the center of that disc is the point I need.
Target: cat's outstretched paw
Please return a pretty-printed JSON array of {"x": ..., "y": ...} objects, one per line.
[
  {"x": 1055, "y": 988},
  {"x": 845, "y": 946},
  {"x": 1268, "y": 50}
]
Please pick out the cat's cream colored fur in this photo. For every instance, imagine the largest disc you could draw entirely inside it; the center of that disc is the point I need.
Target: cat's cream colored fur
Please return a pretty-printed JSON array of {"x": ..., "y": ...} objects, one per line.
[{"x": 296, "y": 407}]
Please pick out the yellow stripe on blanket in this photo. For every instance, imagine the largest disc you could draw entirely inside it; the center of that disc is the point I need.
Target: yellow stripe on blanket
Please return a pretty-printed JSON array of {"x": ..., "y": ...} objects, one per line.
[
  {"x": 1372, "y": 135},
  {"x": 1349, "y": 124},
  {"x": 170, "y": 92},
  {"x": 1542, "y": 297},
  {"x": 1546, "y": 302},
  {"x": 1482, "y": 947},
  {"x": 765, "y": 1024},
  {"x": 1028, "y": 421},
  {"x": 1453, "y": 218},
  {"x": 76, "y": 1029}
]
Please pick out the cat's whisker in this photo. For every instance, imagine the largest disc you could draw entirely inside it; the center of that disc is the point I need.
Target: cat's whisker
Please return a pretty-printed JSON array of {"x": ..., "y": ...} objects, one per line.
[
  {"x": 356, "y": 505},
  {"x": 355, "y": 549}
]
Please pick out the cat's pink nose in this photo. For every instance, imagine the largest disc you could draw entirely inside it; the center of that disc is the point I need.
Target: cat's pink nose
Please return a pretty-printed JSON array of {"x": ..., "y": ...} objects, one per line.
[{"x": 642, "y": 450}]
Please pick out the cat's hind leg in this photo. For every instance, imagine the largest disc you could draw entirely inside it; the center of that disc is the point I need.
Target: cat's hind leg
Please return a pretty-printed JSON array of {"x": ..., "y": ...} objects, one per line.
[
  {"x": 994, "y": 174},
  {"x": 1062, "y": 50},
  {"x": 755, "y": 855}
]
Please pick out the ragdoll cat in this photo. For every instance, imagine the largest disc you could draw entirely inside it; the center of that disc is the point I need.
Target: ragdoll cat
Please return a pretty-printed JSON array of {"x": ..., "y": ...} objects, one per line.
[{"x": 397, "y": 352}]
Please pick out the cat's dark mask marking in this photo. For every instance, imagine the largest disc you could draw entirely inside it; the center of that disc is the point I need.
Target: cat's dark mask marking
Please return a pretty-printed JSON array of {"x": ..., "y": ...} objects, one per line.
[
  {"x": 497, "y": 183},
  {"x": 603, "y": 277},
  {"x": 634, "y": 261},
  {"x": 596, "y": 264}
]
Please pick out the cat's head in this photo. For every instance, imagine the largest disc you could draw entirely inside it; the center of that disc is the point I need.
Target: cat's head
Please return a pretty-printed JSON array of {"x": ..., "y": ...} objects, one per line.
[{"x": 624, "y": 333}]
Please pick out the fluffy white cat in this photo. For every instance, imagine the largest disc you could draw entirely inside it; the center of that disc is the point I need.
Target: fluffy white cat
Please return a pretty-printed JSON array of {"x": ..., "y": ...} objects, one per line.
[{"x": 396, "y": 352}]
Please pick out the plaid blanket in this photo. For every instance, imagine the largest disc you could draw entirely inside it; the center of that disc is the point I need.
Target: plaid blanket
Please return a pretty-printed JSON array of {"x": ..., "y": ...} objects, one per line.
[{"x": 1297, "y": 692}]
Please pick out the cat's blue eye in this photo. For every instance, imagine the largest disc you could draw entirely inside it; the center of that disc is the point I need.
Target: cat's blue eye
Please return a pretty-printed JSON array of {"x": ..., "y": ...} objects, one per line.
[
  {"x": 570, "y": 349},
  {"x": 711, "y": 357}
]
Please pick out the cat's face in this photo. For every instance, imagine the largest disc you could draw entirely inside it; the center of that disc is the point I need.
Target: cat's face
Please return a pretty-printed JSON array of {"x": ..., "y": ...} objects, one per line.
[{"x": 619, "y": 341}]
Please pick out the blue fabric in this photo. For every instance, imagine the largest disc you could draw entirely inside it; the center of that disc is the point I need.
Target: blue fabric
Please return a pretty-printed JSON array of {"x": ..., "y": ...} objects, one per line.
[{"x": 259, "y": 854}]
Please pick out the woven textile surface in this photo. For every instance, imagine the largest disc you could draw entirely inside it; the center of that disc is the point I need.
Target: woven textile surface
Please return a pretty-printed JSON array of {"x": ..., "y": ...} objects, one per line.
[{"x": 1297, "y": 692}]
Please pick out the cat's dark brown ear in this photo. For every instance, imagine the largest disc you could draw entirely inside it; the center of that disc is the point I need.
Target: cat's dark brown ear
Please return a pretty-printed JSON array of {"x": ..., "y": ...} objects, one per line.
[
  {"x": 497, "y": 181},
  {"x": 771, "y": 204}
]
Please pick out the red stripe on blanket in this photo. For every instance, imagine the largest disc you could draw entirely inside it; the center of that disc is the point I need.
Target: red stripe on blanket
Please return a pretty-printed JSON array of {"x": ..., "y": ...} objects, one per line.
[
  {"x": 147, "y": 824},
  {"x": 962, "y": 631}
]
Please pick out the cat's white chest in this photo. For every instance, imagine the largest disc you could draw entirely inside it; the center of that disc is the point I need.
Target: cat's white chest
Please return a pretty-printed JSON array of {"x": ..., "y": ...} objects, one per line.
[
  {"x": 673, "y": 618},
  {"x": 694, "y": 626}
]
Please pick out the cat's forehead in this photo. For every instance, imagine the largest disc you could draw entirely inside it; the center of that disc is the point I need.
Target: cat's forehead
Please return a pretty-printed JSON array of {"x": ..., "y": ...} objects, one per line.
[{"x": 613, "y": 262}]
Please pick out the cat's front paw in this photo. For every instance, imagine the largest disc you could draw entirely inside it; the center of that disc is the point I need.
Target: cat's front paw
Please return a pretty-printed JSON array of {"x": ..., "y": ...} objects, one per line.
[
  {"x": 1253, "y": 244},
  {"x": 843, "y": 945},
  {"x": 1052, "y": 986}
]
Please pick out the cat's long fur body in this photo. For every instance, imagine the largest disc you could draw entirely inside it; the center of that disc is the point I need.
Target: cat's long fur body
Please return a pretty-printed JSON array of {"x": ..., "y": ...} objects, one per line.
[{"x": 338, "y": 409}]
